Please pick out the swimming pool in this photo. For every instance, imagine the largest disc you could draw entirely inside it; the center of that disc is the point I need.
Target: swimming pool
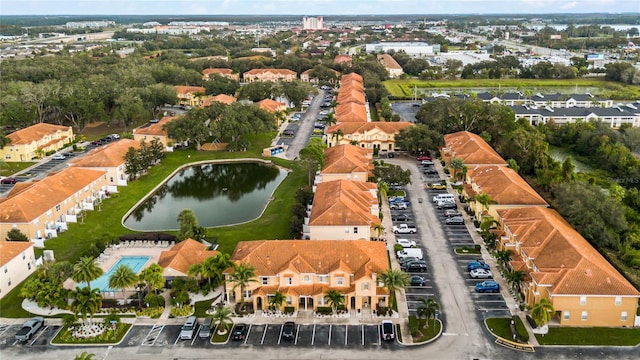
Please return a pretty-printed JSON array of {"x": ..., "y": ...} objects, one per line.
[{"x": 134, "y": 262}]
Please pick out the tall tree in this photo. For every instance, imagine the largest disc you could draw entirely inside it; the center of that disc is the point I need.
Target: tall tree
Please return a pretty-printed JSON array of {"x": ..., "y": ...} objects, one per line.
[
  {"x": 152, "y": 277},
  {"x": 428, "y": 309},
  {"x": 123, "y": 278},
  {"x": 542, "y": 312},
  {"x": 313, "y": 156},
  {"x": 222, "y": 317},
  {"x": 277, "y": 300},
  {"x": 335, "y": 299},
  {"x": 86, "y": 269},
  {"x": 191, "y": 127},
  {"x": 243, "y": 275},
  {"x": 515, "y": 279},
  {"x": 418, "y": 138},
  {"x": 393, "y": 280},
  {"x": 187, "y": 222},
  {"x": 86, "y": 302}
]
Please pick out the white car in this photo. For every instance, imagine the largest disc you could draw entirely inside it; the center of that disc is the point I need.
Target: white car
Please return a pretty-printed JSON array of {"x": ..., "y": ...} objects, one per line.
[
  {"x": 406, "y": 243},
  {"x": 58, "y": 157},
  {"x": 481, "y": 274}
]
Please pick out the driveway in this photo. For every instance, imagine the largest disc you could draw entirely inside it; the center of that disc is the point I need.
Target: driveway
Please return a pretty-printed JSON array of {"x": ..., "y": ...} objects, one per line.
[{"x": 305, "y": 127}]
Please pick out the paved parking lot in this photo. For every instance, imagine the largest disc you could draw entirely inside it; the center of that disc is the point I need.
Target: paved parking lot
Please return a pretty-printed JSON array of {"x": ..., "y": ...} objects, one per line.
[
  {"x": 41, "y": 338},
  {"x": 406, "y": 110}
]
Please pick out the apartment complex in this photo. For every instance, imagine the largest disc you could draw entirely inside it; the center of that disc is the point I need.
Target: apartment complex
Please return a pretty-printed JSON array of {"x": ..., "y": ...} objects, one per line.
[
  {"x": 41, "y": 209},
  {"x": 155, "y": 131},
  {"x": 346, "y": 162},
  {"x": 190, "y": 95},
  {"x": 17, "y": 262},
  {"x": 209, "y": 73},
  {"x": 304, "y": 271},
  {"x": 368, "y": 135},
  {"x": 109, "y": 158},
  {"x": 35, "y": 141},
  {"x": 272, "y": 75}
]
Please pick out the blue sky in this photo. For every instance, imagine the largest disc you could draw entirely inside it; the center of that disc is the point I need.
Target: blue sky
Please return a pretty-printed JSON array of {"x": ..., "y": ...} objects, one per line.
[{"x": 308, "y": 7}]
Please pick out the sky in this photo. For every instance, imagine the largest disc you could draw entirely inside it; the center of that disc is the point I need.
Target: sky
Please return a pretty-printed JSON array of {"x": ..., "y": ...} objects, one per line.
[{"x": 310, "y": 7}]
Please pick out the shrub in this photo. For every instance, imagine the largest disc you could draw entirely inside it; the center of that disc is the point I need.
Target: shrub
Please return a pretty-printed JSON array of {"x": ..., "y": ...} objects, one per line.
[
  {"x": 16, "y": 235},
  {"x": 181, "y": 311},
  {"x": 289, "y": 309},
  {"x": 520, "y": 329},
  {"x": 324, "y": 310},
  {"x": 154, "y": 300},
  {"x": 109, "y": 318},
  {"x": 397, "y": 247},
  {"x": 476, "y": 247},
  {"x": 152, "y": 312}
]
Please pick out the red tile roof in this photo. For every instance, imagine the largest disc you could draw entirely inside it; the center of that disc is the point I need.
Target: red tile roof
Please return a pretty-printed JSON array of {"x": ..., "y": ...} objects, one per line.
[
  {"x": 388, "y": 61},
  {"x": 155, "y": 129},
  {"x": 271, "y": 71},
  {"x": 271, "y": 257},
  {"x": 361, "y": 128},
  {"x": 184, "y": 254},
  {"x": 472, "y": 149},
  {"x": 346, "y": 159},
  {"x": 504, "y": 185},
  {"x": 223, "y": 98},
  {"x": 189, "y": 89},
  {"x": 343, "y": 202},
  {"x": 351, "y": 112},
  {"x": 271, "y": 105},
  {"x": 111, "y": 155},
  {"x": 565, "y": 260},
  {"x": 37, "y": 198},
  {"x": 35, "y": 132},
  {"x": 10, "y": 249}
]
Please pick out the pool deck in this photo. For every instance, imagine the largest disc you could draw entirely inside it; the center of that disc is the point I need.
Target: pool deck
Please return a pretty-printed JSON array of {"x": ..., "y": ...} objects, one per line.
[{"x": 112, "y": 254}]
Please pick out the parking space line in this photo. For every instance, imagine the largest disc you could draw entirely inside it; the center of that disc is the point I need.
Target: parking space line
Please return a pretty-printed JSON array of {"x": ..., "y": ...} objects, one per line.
[
  {"x": 177, "y": 339},
  {"x": 295, "y": 342},
  {"x": 247, "y": 336},
  {"x": 362, "y": 335},
  {"x": 346, "y": 334},
  {"x": 329, "y": 342},
  {"x": 197, "y": 334},
  {"x": 265, "y": 333},
  {"x": 36, "y": 338},
  {"x": 154, "y": 332},
  {"x": 4, "y": 328},
  {"x": 379, "y": 336},
  {"x": 313, "y": 334}
]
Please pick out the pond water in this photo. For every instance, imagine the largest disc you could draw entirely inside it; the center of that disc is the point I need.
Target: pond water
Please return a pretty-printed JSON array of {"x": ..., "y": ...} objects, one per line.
[
  {"x": 218, "y": 194},
  {"x": 560, "y": 154}
]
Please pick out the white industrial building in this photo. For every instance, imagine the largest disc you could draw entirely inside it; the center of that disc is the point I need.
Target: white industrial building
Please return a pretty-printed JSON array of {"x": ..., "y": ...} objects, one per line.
[
  {"x": 415, "y": 49},
  {"x": 312, "y": 23}
]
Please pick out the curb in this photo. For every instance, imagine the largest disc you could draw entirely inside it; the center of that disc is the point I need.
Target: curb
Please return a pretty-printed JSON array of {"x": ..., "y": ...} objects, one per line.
[
  {"x": 426, "y": 342},
  {"x": 90, "y": 344}
]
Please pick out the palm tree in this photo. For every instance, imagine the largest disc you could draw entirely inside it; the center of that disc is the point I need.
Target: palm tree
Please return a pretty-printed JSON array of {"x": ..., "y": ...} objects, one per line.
[
  {"x": 152, "y": 277},
  {"x": 123, "y": 278},
  {"x": 383, "y": 190},
  {"x": 86, "y": 270},
  {"x": 393, "y": 280},
  {"x": 456, "y": 164},
  {"x": 484, "y": 199},
  {"x": 337, "y": 135},
  {"x": 335, "y": 299},
  {"x": 214, "y": 268},
  {"x": 222, "y": 316},
  {"x": 195, "y": 270},
  {"x": 243, "y": 275},
  {"x": 488, "y": 223},
  {"x": 277, "y": 300},
  {"x": 503, "y": 257},
  {"x": 379, "y": 228},
  {"x": 428, "y": 308},
  {"x": 515, "y": 279},
  {"x": 330, "y": 120},
  {"x": 541, "y": 312},
  {"x": 87, "y": 302}
]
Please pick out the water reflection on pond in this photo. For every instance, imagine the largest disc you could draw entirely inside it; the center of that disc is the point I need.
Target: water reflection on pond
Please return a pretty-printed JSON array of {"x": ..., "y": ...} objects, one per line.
[{"x": 219, "y": 194}]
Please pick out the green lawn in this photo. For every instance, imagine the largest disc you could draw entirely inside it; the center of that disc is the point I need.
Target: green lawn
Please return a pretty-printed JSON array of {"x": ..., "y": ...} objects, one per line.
[
  {"x": 107, "y": 222},
  {"x": 108, "y": 337},
  {"x": 201, "y": 308},
  {"x": 591, "y": 336},
  {"x": 403, "y": 88},
  {"x": 501, "y": 327},
  {"x": 466, "y": 251},
  {"x": 10, "y": 168},
  {"x": 427, "y": 333},
  {"x": 217, "y": 338}
]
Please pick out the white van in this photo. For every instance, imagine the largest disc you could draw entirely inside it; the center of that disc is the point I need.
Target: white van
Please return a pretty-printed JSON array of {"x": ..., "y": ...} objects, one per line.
[
  {"x": 410, "y": 252},
  {"x": 189, "y": 328},
  {"x": 444, "y": 197}
]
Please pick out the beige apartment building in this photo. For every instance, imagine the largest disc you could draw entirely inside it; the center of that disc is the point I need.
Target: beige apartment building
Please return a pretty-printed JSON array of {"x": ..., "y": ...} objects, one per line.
[
  {"x": 155, "y": 131},
  {"x": 303, "y": 271},
  {"x": 368, "y": 135},
  {"x": 35, "y": 141},
  {"x": 346, "y": 162},
  {"x": 272, "y": 75},
  {"x": 109, "y": 158},
  {"x": 190, "y": 95},
  {"x": 17, "y": 262}
]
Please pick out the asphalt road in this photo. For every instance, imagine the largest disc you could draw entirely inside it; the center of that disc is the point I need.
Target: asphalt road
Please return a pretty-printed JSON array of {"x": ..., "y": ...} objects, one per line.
[{"x": 305, "y": 127}]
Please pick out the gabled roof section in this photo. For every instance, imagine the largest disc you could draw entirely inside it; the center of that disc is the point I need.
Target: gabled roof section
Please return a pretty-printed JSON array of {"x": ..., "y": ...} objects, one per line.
[
  {"x": 34, "y": 133},
  {"x": 223, "y": 98},
  {"x": 362, "y": 127},
  {"x": 43, "y": 195},
  {"x": 566, "y": 262},
  {"x": 505, "y": 186},
  {"x": 343, "y": 202},
  {"x": 271, "y": 105},
  {"x": 10, "y": 249},
  {"x": 111, "y": 155},
  {"x": 184, "y": 254},
  {"x": 351, "y": 77},
  {"x": 346, "y": 159},
  {"x": 189, "y": 89},
  {"x": 472, "y": 149},
  {"x": 155, "y": 129},
  {"x": 350, "y": 94},
  {"x": 351, "y": 112},
  {"x": 388, "y": 61},
  {"x": 269, "y": 257},
  {"x": 210, "y": 71},
  {"x": 282, "y": 72}
]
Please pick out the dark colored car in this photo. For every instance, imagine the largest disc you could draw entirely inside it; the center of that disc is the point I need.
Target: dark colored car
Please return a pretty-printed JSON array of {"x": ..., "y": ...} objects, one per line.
[
  {"x": 418, "y": 280},
  {"x": 452, "y": 213},
  {"x": 288, "y": 330},
  {"x": 430, "y": 171},
  {"x": 416, "y": 266},
  {"x": 447, "y": 205},
  {"x": 400, "y": 217},
  {"x": 8, "y": 180},
  {"x": 455, "y": 220},
  {"x": 488, "y": 286},
  {"x": 239, "y": 332},
  {"x": 288, "y": 132}
]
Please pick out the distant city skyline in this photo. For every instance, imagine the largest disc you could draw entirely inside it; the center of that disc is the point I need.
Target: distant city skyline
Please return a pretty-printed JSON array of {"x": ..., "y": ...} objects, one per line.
[{"x": 311, "y": 7}]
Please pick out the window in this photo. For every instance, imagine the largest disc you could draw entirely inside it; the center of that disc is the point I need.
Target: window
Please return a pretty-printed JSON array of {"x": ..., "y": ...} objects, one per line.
[
  {"x": 584, "y": 316},
  {"x": 230, "y": 278},
  {"x": 24, "y": 256},
  {"x": 288, "y": 300},
  {"x": 323, "y": 279},
  {"x": 288, "y": 280},
  {"x": 58, "y": 207},
  {"x": 618, "y": 300},
  {"x": 320, "y": 300},
  {"x": 365, "y": 286},
  {"x": 28, "y": 266},
  {"x": 111, "y": 179},
  {"x": 355, "y": 230},
  {"x": 247, "y": 293},
  {"x": 306, "y": 278},
  {"x": 5, "y": 269},
  {"x": 566, "y": 315},
  {"x": 264, "y": 280},
  {"x": 583, "y": 300},
  {"x": 623, "y": 316},
  {"x": 339, "y": 280}
]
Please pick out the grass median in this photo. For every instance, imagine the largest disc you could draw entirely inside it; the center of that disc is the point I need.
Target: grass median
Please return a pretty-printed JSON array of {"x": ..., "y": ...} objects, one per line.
[{"x": 591, "y": 336}]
